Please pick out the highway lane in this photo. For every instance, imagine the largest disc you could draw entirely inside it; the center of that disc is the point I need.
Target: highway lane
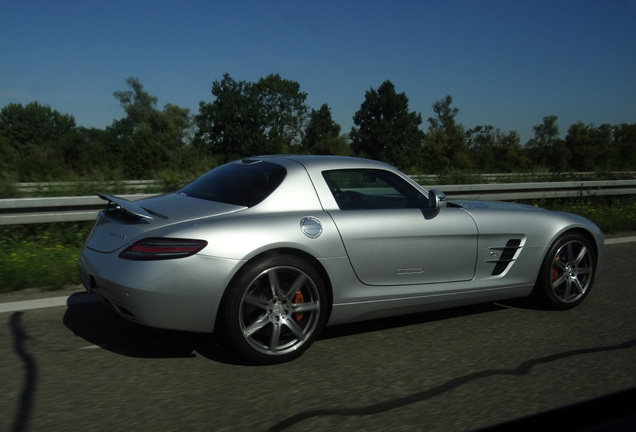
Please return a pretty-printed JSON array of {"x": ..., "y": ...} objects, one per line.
[{"x": 80, "y": 366}]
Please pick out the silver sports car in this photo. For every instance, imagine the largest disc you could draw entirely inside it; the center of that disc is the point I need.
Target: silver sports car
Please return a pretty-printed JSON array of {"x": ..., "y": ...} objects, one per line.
[{"x": 268, "y": 250}]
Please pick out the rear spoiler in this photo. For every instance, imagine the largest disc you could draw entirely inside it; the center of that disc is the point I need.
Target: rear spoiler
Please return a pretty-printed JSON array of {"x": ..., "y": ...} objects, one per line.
[{"x": 120, "y": 204}]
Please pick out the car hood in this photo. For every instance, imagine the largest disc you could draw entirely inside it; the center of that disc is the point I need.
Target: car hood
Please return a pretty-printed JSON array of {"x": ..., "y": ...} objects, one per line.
[
  {"x": 109, "y": 234},
  {"x": 497, "y": 205}
]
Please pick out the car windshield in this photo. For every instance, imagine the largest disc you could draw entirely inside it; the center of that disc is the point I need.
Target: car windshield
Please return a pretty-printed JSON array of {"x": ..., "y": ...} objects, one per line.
[{"x": 244, "y": 183}]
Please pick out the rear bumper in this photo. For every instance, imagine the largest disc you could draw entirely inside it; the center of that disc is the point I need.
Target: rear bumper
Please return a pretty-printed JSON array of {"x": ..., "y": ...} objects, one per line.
[{"x": 181, "y": 294}]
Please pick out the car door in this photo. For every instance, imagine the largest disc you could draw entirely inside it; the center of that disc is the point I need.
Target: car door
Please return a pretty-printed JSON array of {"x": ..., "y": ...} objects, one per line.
[{"x": 392, "y": 238}]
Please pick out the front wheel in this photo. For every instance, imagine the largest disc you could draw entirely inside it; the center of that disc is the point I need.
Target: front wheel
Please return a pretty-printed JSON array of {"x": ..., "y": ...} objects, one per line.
[
  {"x": 275, "y": 309},
  {"x": 567, "y": 272}
]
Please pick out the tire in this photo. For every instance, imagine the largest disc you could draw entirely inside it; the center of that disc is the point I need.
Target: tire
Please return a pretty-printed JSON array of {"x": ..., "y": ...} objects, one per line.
[
  {"x": 275, "y": 309},
  {"x": 567, "y": 273}
]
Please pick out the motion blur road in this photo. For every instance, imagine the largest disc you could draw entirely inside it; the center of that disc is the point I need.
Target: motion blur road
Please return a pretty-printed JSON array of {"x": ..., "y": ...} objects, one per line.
[{"x": 80, "y": 367}]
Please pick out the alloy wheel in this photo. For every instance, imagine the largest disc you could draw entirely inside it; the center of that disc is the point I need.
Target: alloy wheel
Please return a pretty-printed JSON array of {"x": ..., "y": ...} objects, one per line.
[
  {"x": 572, "y": 271},
  {"x": 280, "y": 310}
]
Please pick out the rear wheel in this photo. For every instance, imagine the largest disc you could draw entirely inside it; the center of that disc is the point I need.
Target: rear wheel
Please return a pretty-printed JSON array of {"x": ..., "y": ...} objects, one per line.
[
  {"x": 567, "y": 272},
  {"x": 275, "y": 309}
]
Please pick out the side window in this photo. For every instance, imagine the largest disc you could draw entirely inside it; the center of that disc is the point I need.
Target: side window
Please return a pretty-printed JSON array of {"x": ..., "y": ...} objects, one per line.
[{"x": 358, "y": 189}]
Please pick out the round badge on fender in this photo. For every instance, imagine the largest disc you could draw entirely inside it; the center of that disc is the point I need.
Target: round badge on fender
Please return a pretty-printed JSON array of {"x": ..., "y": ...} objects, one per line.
[{"x": 311, "y": 227}]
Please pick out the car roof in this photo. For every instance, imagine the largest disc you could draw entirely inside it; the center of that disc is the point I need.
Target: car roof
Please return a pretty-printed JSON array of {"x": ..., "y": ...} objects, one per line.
[{"x": 324, "y": 162}]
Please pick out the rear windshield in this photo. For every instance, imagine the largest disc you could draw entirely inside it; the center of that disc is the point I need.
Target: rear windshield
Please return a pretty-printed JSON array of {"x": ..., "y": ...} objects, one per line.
[{"x": 244, "y": 183}]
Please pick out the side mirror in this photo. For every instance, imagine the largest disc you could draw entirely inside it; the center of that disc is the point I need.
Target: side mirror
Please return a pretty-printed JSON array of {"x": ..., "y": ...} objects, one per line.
[{"x": 436, "y": 199}]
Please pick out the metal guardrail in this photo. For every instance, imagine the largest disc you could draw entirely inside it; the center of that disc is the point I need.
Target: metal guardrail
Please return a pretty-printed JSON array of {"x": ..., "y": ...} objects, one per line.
[
  {"x": 18, "y": 211},
  {"x": 147, "y": 186},
  {"x": 130, "y": 186},
  {"x": 84, "y": 208},
  {"x": 541, "y": 190}
]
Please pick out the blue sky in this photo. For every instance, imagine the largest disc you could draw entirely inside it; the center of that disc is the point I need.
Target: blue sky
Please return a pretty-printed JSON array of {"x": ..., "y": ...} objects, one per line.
[{"x": 505, "y": 63}]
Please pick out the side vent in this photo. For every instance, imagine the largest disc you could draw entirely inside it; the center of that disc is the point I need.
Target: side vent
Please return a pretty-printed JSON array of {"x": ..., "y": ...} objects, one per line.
[{"x": 503, "y": 255}]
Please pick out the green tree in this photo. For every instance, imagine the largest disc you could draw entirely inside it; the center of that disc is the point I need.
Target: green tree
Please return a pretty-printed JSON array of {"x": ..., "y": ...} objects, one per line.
[
  {"x": 590, "y": 147},
  {"x": 283, "y": 113},
  {"x": 247, "y": 118},
  {"x": 32, "y": 134},
  {"x": 8, "y": 155},
  {"x": 30, "y": 128},
  {"x": 322, "y": 134},
  {"x": 625, "y": 144},
  {"x": 446, "y": 143},
  {"x": 494, "y": 151},
  {"x": 8, "y": 161},
  {"x": 137, "y": 103},
  {"x": 88, "y": 152},
  {"x": 148, "y": 139},
  {"x": 229, "y": 127},
  {"x": 386, "y": 129},
  {"x": 546, "y": 149}
]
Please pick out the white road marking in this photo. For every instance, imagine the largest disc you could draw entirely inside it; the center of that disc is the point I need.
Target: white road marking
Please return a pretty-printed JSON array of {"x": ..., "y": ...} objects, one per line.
[
  {"x": 45, "y": 303},
  {"x": 620, "y": 240}
]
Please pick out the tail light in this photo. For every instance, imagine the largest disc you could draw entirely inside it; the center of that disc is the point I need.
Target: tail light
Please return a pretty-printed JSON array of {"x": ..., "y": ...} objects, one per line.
[{"x": 162, "y": 248}]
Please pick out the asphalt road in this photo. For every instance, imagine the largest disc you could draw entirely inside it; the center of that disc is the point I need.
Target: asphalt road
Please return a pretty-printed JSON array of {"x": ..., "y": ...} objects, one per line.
[{"x": 80, "y": 367}]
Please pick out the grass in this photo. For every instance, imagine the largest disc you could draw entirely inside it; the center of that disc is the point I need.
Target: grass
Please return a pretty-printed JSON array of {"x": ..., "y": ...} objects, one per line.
[
  {"x": 44, "y": 256},
  {"x": 40, "y": 256},
  {"x": 611, "y": 214}
]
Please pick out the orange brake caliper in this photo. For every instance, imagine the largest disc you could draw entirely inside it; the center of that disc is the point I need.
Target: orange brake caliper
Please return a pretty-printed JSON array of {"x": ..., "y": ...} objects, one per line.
[
  {"x": 554, "y": 274},
  {"x": 299, "y": 299}
]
